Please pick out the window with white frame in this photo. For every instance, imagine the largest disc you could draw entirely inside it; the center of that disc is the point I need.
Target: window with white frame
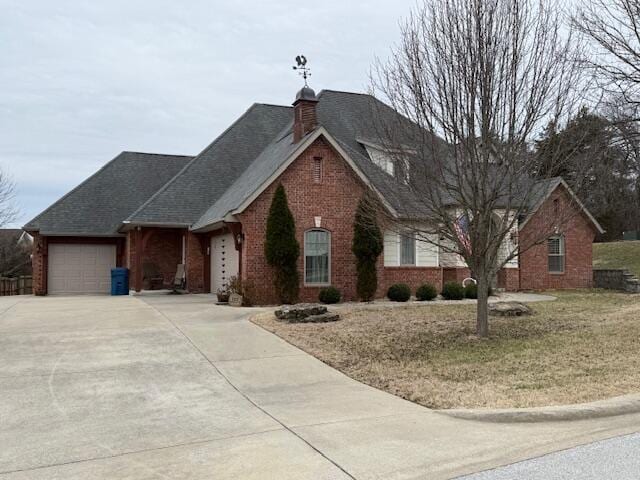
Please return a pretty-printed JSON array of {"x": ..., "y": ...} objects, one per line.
[
  {"x": 555, "y": 246},
  {"x": 381, "y": 159},
  {"x": 317, "y": 257},
  {"x": 407, "y": 249}
]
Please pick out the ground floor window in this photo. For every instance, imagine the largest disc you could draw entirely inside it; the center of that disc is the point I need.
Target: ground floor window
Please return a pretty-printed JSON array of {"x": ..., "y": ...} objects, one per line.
[
  {"x": 317, "y": 255},
  {"x": 407, "y": 249},
  {"x": 555, "y": 247}
]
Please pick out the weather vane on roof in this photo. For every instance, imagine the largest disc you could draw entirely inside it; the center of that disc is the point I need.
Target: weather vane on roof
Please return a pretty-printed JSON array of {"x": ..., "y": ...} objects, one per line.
[{"x": 305, "y": 71}]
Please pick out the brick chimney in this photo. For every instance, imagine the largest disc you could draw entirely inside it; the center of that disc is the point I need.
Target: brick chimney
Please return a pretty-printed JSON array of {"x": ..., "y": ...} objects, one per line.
[{"x": 304, "y": 113}]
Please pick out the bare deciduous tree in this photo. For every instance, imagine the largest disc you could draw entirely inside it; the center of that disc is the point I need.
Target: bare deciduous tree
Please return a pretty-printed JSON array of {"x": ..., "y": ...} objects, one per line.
[
  {"x": 479, "y": 80},
  {"x": 8, "y": 210},
  {"x": 613, "y": 28}
]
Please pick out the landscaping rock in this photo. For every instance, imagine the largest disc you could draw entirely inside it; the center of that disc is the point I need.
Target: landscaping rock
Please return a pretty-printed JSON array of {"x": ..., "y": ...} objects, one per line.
[
  {"x": 322, "y": 318},
  {"x": 299, "y": 311},
  {"x": 509, "y": 309}
]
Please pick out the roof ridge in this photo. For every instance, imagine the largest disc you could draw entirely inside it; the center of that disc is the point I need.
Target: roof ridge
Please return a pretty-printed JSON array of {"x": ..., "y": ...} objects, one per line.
[
  {"x": 191, "y": 162},
  {"x": 325, "y": 90},
  {"x": 158, "y": 154},
  {"x": 77, "y": 187},
  {"x": 266, "y": 104}
]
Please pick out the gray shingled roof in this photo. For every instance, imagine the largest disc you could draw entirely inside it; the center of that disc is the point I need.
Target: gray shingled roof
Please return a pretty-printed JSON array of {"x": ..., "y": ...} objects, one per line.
[
  {"x": 99, "y": 204},
  {"x": 202, "y": 190},
  {"x": 251, "y": 179},
  {"x": 346, "y": 117},
  {"x": 212, "y": 172}
]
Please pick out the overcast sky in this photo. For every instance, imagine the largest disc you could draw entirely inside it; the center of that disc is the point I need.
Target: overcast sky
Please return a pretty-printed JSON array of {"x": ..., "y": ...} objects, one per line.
[{"x": 80, "y": 81}]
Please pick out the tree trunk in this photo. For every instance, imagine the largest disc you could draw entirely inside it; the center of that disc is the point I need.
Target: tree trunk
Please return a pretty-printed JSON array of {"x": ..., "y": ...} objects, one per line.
[{"x": 482, "y": 315}]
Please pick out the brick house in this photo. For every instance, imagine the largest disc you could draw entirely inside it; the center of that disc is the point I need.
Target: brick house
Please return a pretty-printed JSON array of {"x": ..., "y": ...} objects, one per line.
[{"x": 152, "y": 212}]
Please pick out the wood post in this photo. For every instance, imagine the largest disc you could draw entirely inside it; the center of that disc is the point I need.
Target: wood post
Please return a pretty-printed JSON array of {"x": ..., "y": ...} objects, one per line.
[{"x": 137, "y": 283}]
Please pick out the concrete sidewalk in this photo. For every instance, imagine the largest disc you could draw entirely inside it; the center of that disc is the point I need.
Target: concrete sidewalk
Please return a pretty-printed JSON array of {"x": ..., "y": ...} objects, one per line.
[{"x": 175, "y": 387}]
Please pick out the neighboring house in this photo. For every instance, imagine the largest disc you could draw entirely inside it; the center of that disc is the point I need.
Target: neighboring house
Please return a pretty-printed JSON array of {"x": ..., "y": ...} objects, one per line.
[{"x": 209, "y": 212}]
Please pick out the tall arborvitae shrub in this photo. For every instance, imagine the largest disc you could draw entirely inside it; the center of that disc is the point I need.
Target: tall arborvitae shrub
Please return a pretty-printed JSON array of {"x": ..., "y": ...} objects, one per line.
[
  {"x": 367, "y": 247},
  {"x": 281, "y": 247}
]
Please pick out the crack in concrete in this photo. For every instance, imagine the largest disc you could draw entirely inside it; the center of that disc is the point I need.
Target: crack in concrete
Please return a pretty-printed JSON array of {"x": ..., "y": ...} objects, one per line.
[
  {"x": 146, "y": 450},
  {"x": 287, "y": 428}
]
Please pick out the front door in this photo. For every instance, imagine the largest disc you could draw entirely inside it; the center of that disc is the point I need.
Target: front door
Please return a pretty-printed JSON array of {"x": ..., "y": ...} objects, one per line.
[{"x": 224, "y": 261}]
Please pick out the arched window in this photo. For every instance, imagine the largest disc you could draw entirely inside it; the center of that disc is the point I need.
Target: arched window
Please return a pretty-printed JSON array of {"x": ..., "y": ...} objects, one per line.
[{"x": 317, "y": 257}]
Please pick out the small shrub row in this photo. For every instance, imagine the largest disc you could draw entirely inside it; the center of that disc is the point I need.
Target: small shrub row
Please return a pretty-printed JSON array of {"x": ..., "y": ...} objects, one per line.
[{"x": 401, "y": 292}]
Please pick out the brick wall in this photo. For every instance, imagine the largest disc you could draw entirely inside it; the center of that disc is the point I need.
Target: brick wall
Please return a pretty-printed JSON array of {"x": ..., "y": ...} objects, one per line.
[
  {"x": 39, "y": 264},
  {"x": 455, "y": 274},
  {"x": 196, "y": 256},
  {"x": 578, "y": 234},
  {"x": 334, "y": 199},
  {"x": 509, "y": 279}
]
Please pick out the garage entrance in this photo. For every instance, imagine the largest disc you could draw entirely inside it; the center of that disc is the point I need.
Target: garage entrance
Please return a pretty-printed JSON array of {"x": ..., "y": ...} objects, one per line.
[{"x": 80, "y": 268}]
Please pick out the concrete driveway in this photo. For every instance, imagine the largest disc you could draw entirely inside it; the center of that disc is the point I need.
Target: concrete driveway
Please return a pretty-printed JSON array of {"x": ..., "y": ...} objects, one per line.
[{"x": 174, "y": 387}]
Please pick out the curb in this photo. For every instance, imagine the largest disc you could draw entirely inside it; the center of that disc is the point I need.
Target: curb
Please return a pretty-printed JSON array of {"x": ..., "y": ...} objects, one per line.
[{"x": 611, "y": 407}]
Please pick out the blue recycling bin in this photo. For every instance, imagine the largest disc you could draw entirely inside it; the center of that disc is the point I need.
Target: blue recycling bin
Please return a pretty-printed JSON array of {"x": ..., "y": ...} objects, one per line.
[{"x": 119, "y": 281}]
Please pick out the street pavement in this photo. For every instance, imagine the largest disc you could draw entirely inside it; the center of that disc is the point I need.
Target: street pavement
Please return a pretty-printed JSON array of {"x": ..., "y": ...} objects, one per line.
[{"x": 617, "y": 458}]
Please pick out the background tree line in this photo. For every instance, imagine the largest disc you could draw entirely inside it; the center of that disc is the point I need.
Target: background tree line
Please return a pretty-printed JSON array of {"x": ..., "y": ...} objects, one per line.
[{"x": 600, "y": 153}]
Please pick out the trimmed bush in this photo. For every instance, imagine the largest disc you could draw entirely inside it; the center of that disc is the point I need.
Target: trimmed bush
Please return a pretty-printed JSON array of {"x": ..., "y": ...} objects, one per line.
[
  {"x": 329, "y": 295},
  {"x": 471, "y": 291},
  {"x": 281, "y": 247},
  {"x": 426, "y": 292},
  {"x": 367, "y": 246},
  {"x": 400, "y": 292},
  {"x": 453, "y": 291}
]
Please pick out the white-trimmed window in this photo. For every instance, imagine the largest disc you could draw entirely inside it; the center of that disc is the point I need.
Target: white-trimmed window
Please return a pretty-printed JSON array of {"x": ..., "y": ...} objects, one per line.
[
  {"x": 555, "y": 246},
  {"x": 317, "y": 257},
  {"x": 407, "y": 249}
]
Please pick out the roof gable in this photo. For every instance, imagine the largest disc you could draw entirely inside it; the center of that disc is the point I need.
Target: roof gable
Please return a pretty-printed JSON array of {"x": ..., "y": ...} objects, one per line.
[
  {"x": 97, "y": 206},
  {"x": 547, "y": 187},
  {"x": 271, "y": 163},
  {"x": 209, "y": 175}
]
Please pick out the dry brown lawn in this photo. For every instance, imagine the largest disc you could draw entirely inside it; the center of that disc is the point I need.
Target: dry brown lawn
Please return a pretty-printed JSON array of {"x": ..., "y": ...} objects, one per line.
[{"x": 583, "y": 347}]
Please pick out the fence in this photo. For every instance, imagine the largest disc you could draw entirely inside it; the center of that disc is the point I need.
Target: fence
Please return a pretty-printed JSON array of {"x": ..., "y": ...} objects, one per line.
[{"x": 16, "y": 286}]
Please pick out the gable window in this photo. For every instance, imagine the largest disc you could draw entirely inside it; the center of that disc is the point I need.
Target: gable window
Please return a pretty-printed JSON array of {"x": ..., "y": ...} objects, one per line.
[
  {"x": 317, "y": 170},
  {"x": 317, "y": 257},
  {"x": 407, "y": 249},
  {"x": 392, "y": 161},
  {"x": 555, "y": 246}
]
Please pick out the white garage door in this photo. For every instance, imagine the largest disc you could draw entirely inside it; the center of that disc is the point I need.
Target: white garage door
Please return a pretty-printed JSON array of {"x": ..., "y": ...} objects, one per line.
[{"x": 80, "y": 268}]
